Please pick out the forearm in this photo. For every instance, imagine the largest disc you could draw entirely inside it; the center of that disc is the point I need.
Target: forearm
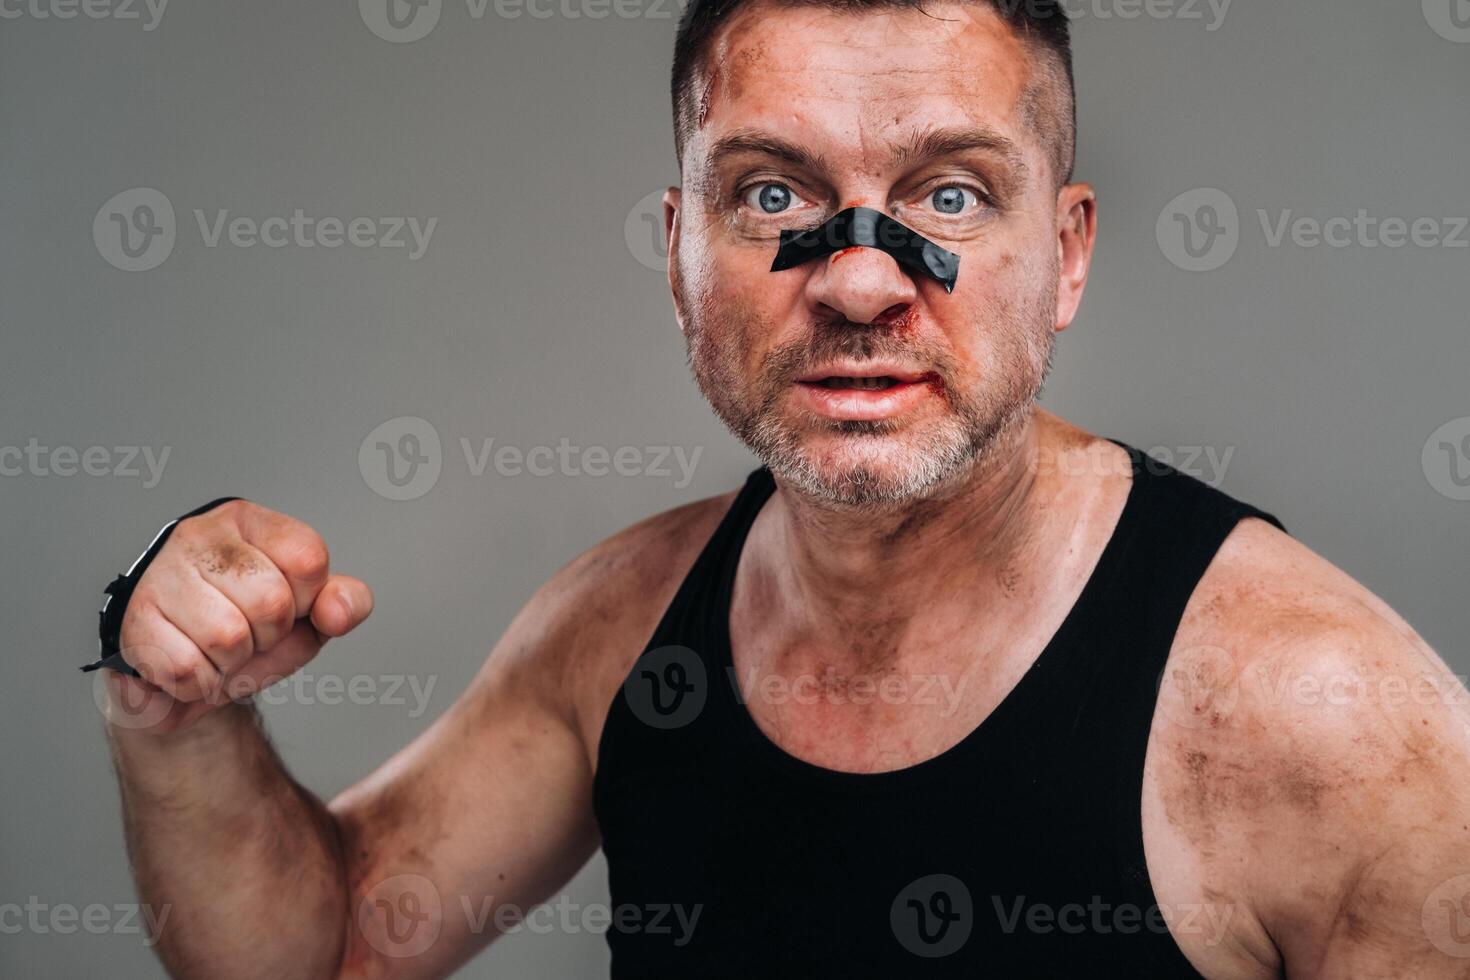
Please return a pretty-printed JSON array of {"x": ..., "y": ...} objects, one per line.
[{"x": 245, "y": 863}]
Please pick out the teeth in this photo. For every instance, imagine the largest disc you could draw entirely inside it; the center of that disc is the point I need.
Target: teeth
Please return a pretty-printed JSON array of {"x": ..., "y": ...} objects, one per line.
[{"x": 865, "y": 384}]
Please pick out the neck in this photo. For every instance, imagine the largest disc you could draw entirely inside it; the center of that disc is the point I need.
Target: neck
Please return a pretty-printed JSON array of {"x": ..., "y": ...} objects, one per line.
[{"x": 858, "y": 579}]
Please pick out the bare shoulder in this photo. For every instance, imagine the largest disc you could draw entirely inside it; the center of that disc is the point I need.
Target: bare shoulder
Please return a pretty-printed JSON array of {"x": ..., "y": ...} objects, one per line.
[
  {"x": 1313, "y": 755},
  {"x": 577, "y": 637}
]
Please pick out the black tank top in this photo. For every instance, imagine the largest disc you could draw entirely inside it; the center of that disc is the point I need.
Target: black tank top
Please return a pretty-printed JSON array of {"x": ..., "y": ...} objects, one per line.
[{"x": 1018, "y": 852}]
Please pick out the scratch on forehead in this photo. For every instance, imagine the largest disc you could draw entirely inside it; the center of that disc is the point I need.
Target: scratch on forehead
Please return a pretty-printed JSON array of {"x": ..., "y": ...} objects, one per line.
[{"x": 704, "y": 103}]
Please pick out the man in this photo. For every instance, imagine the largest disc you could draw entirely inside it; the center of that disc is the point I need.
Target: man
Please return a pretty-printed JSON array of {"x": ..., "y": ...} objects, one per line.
[{"x": 951, "y": 688}]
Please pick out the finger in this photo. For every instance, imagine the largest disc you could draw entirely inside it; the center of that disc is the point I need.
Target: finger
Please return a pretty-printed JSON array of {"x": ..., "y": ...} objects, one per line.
[
  {"x": 243, "y": 574},
  {"x": 294, "y": 548},
  {"x": 343, "y": 604},
  {"x": 166, "y": 657},
  {"x": 206, "y": 616},
  {"x": 295, "y": 651}
]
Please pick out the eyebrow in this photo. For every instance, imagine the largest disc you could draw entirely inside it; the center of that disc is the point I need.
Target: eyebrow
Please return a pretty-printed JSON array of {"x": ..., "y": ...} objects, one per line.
[
  {"x": 758, "y": 141},
  {"x": 928, "y": 144},
  {"x": 925, "y": 145}
]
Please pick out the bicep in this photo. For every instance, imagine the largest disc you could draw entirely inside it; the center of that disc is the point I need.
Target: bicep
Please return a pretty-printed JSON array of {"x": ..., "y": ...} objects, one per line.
[{"x": 488, "y": 808}]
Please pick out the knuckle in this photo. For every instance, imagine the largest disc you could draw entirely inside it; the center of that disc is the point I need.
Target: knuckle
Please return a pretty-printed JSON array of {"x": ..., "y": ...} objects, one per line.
[
  {"x": 150, "y": 662},
  {"x": 226, "y": 634},
  {"x": 303, "y": 556},
  {"x": 275, "y": 606},
  {"x": 176, "y": 674}
]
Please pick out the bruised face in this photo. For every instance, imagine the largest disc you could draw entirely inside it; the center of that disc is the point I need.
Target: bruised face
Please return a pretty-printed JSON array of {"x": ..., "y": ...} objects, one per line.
[{"x": 856, "y": 380}]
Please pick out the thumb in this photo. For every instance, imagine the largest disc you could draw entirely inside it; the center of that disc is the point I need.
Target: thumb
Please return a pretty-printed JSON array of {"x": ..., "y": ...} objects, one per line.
[{"x": 341, "y": 605}]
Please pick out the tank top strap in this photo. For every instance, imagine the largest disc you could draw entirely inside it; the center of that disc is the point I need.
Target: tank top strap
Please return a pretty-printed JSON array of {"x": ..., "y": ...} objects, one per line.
[
  {"x": 700, "y": 608},
  {"x": 1179, "y": 523}
]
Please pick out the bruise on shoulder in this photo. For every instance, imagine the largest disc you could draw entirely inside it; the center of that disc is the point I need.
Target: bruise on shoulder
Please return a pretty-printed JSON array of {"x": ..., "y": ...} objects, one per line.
[
  {"x": 1300, "y": 747},
  {"x": 1261, "y": 746}
]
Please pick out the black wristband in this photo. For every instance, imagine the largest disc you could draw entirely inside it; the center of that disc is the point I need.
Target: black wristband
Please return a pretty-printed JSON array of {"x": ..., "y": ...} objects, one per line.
[{"x": 115, "y": 604}]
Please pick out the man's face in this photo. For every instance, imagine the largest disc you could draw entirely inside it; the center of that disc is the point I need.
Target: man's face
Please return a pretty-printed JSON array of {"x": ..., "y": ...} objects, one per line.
[{"x": 852, "y": 378}]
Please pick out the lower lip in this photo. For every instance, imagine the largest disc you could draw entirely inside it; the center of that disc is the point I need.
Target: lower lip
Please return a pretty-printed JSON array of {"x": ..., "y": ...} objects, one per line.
[{"x": 864, "y": 405}]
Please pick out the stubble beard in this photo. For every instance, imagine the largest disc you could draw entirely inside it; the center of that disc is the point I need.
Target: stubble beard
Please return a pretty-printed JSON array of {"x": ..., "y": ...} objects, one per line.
[{"x": 883, "y": 464}]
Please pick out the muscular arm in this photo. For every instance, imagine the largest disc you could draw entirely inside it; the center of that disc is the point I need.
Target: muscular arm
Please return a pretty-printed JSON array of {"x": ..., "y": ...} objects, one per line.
[
  {"x": 1318, "y": 773},
  {"x": 490, "y": 810},
  {"x": 1380, "y": 834},
  {"x": 243, "y": 861},
  {"x": 412, "y": 871}
]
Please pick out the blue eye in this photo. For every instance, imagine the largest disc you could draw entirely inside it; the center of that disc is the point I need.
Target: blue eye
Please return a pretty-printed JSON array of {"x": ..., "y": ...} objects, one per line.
[
  {"x": 950, "y": 199},
  {"x": 771, "y": 198}
]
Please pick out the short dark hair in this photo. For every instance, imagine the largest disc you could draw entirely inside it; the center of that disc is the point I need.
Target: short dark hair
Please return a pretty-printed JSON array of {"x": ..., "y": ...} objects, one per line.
[{"x": 1043, "y": 23}]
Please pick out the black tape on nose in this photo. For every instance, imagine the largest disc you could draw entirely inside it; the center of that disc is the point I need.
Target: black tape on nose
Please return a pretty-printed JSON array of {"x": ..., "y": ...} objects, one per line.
[{"x": 869, "y": 229}]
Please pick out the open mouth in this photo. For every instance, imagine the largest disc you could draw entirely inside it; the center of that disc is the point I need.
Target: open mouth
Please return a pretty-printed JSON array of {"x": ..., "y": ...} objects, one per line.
[
  {"x": 865, "y": 397},
  {"x": 861, "y": 384}
]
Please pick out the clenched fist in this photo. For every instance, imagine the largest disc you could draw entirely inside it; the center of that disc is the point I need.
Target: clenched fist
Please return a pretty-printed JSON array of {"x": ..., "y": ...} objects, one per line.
[{"x": 238, "y": 598}]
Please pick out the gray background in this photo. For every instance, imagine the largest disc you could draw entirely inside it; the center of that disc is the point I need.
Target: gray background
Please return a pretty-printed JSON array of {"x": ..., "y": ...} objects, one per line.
[{"x": 532, "y": 317}]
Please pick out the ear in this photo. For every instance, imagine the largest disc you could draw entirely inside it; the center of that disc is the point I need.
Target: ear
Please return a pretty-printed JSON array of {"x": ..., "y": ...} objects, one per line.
[
  {"x": 1076, "y": 235},
  {"x": 671, "y": 200}
]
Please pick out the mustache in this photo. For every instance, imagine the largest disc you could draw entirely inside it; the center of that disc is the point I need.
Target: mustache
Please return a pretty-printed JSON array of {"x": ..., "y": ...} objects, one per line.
[{"x": 844, "y": 340}]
